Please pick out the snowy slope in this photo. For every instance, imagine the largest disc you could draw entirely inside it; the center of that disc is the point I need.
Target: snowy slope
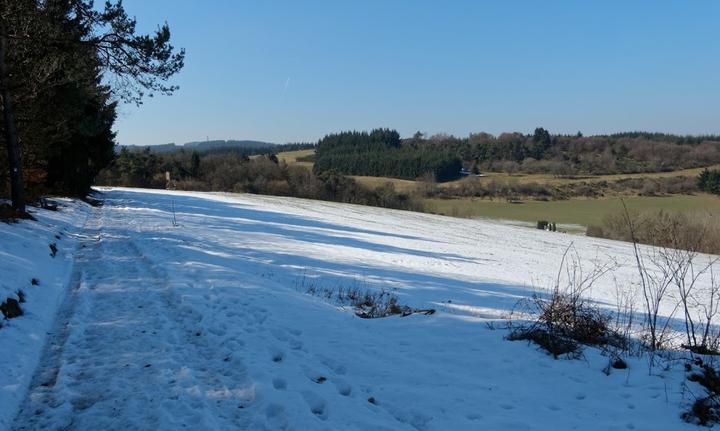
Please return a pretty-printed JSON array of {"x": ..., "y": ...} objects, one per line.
[
  {"x": 205, "y": 324},
  {"x": 25, "y": 254}
]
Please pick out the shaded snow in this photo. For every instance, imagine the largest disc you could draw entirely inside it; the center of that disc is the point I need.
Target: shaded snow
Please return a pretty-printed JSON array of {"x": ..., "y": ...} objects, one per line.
[
  {"x": 24, "y": 255},
  {"x": 204, "y": 324}
]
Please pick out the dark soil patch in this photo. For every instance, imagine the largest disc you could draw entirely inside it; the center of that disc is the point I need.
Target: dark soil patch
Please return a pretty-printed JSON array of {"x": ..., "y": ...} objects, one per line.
[{"x": 8, "y": 214}]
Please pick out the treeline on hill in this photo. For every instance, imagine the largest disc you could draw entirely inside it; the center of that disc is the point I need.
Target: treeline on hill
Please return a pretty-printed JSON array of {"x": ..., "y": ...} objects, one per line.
[
  {"x": 225, "y": 146},
  {"x": 236, "y": 172},
  {"x": 64, "y": 65},
  {"x": 381, "y": 153},
  {"x": 272, "y": 149},
  {"x": 569, "y": 155}
]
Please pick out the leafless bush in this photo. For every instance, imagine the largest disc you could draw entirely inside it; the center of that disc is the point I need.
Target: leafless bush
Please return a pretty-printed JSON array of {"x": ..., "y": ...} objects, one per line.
[
  {"x": 709, "y": 309},
  {"x": 683, "y": 268},
  {"x": 566, "y": 319},
  {"x": 427, "y": 185},
  {"x": 655, "y": 282},
  {"x": 493, "y": 188},
  {"x": 623, "y": 322},
  {"x": 669, "y": 270}
]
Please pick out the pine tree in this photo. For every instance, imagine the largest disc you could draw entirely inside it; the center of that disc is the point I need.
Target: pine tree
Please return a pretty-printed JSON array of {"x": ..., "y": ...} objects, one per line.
[{"x": 48, "y": 47}]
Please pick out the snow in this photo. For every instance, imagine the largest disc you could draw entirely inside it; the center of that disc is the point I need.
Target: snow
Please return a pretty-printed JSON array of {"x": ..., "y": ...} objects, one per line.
[
  {"x": 205, "y": 324},
  {"x": 24, "y": 255}
]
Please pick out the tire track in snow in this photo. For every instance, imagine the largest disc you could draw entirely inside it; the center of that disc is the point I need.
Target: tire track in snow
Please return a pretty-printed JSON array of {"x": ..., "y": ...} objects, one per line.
[{"x": 124, "y": 353}]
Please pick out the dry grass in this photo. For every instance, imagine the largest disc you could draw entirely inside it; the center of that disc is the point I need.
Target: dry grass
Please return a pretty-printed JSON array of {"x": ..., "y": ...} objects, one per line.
[
  {"x": 686, "y": 230},
  {"x": 402, "y": 186},
  {"x": 583, "y": 212},
  {"x": 291, "y": 158}
]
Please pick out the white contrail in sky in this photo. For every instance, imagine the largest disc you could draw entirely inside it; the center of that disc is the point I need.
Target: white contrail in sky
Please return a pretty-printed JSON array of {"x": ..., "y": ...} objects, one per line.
[{"x": 287, "y": 84}]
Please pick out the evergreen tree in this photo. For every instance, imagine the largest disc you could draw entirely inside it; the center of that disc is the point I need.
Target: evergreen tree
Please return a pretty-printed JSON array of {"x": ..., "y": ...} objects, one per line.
[
  {"x": 195, "y": 164},
  {"x": 51, "y": 56}
]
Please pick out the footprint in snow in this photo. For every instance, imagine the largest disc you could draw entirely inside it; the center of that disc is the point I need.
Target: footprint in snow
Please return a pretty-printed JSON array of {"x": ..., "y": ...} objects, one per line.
[
  {"x": 316, "y": 404},
  {"x": 342, "y": 387},
  {"x": 276, "y": 355},
  {"x": 279, "y": 383},
  {"x": 219, "y": 330},
  {"x": 276, "y": 416},
  {"x": 314, "y": 375},
  {"x": 295, "y": 344},
  {"x": 279, "y": 334},
  {"x": 333, "y": 365}
]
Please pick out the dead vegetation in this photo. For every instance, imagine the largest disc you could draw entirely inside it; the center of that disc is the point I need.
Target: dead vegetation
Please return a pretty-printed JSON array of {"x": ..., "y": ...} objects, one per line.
[
  {"x": 698, "y": 231},
  {"x": 11, "y": 309},
  {"x": 705, "y": 409},
  {"x": 366, "y": 303},
  {"x": 564, "y": 318}
]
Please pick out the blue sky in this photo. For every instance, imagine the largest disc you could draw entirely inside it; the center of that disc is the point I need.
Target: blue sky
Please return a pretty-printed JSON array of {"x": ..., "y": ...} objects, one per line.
[{"x": 285, "y": 71}]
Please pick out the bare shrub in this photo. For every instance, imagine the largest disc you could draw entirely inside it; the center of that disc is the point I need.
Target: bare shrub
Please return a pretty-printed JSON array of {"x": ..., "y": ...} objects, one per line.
[
  {"x": 649, "y": 188},
  {"x": 708, "y": 306},
  {"x": 595, "y": 231},
  {"x": 565, "y": 319},
  {"x": 684, "y": 270},
  {"x": 427, "y": 185},
  {"x": 673, "y": 262},
  {"x": 623, "y": 321},
  {"x": 655, "y": 283}
]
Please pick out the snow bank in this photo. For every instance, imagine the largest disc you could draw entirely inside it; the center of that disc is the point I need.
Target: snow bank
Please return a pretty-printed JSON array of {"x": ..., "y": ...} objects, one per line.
[{"x": 25, "y": 255}]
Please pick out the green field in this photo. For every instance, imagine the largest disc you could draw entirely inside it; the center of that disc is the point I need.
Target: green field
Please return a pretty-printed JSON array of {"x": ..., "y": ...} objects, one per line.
[
  {"x": 578, "y": 212},
  {"x": 582, "y": 212}
]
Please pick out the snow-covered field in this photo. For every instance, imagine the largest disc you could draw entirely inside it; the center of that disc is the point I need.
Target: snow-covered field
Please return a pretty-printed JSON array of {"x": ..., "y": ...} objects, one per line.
[{"x": 205, "y": 325}]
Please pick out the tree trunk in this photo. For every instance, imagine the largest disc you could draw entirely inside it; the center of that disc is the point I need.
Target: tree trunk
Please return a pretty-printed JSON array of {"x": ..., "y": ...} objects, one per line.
[{"x": 17, "y": 188}]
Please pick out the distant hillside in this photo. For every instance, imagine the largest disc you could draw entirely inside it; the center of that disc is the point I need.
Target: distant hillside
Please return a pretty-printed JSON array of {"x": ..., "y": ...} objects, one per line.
[{"x": 203, "y": 146}]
